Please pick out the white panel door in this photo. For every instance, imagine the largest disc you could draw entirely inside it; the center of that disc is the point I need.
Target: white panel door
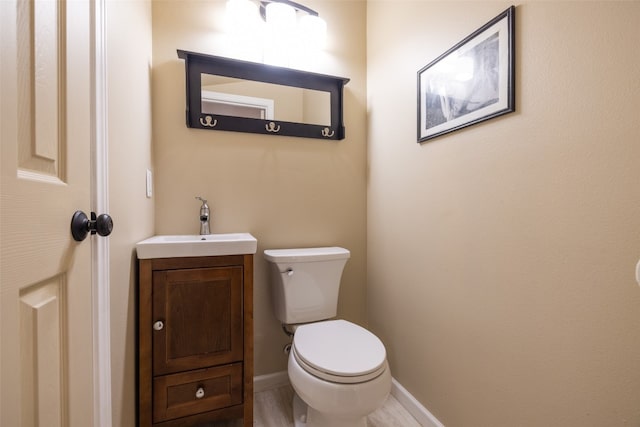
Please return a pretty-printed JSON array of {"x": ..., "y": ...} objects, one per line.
[{"x": 46, "y": 348}]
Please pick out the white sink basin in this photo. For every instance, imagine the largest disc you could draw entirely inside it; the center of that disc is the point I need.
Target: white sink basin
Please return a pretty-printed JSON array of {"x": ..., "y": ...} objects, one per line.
[{"x": 196, "y": 245}]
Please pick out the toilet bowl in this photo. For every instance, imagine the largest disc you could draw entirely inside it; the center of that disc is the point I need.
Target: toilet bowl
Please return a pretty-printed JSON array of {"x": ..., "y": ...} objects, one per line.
[{"x": 338, "y": 370}]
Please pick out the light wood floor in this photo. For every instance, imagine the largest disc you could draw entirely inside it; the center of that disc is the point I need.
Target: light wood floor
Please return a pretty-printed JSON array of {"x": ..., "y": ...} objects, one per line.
[{"x": 272, "y": 408}]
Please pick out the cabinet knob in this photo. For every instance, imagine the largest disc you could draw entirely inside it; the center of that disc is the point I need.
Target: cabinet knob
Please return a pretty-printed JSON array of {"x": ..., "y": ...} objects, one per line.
[
  {"x": 158, "y": 325},
  {"x": 200, "y": 393}
]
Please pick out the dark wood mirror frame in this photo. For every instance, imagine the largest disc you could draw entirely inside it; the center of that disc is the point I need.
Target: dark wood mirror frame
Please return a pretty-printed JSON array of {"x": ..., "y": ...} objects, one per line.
[{"x": 197, "y": 64}]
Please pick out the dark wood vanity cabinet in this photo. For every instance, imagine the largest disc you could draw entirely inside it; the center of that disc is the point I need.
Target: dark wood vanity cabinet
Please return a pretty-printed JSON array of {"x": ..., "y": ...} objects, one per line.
[{"x": 195, "y": 340}]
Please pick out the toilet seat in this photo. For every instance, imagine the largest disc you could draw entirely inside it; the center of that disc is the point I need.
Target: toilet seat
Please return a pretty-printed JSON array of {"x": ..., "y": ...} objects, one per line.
[{"x": 339, "y": 351}]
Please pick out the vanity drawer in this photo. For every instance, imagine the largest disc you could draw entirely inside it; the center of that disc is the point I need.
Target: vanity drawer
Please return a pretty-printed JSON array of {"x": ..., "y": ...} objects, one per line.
[{"x": 193, "y": 392}]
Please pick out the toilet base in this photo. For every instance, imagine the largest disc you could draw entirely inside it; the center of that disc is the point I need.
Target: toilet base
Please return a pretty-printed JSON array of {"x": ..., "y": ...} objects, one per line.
[
  {"x": 299, "y": 411},
  {"x": 305, "y": 416},
  {"x": 332, "y": 404}
]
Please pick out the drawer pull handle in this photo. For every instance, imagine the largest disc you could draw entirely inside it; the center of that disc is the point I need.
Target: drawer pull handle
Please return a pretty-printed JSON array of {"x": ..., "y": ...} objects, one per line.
[
  {"x": 200, "y": 393},
  {"x": 158, "y": 325}
]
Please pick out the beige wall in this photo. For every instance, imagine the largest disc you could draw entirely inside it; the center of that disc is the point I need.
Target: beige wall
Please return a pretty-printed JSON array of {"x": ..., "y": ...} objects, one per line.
[
  {"x": 288, "y": 192},
  {"x": 129, "y": 134},
  {"x": 501, "y": 257}
]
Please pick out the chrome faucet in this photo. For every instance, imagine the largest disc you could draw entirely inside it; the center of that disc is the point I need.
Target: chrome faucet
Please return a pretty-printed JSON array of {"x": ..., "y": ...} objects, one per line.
[{"x": 204, "y": 217}]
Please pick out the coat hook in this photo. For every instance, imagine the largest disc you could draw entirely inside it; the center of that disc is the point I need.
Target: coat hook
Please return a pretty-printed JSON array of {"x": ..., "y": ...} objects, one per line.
[
  {"x": 208, "y": 121},
  {"x": 327, "y": 133},
  {"x": 272, "y": 127}
]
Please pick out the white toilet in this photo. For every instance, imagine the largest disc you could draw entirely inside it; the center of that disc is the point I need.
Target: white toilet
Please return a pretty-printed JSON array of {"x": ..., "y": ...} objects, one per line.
[{"x": 338, "y": 370}]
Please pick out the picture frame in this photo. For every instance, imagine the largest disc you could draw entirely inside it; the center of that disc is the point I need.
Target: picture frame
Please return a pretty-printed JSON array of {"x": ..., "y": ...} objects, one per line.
[{"x": 472, "y": 82}]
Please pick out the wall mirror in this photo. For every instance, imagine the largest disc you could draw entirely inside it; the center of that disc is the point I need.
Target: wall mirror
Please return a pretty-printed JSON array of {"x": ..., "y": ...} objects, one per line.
[{"x": 241, "y": 96}]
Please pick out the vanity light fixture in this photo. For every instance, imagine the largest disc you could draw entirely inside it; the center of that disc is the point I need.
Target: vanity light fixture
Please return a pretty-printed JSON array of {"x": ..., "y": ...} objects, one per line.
[{"x": 284, "y": 26}]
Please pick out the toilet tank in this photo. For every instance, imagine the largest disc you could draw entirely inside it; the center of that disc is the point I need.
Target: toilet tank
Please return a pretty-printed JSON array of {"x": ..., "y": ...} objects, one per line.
[{"x": 305, "y": 282}]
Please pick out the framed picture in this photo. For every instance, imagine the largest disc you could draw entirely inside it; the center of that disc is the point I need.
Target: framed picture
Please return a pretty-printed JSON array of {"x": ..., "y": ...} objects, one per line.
[{"x": 471, "y": 82}]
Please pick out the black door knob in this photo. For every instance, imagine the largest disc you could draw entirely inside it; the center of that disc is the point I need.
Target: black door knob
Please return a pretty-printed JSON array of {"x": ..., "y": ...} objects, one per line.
[{"x": 81, "y": 225}]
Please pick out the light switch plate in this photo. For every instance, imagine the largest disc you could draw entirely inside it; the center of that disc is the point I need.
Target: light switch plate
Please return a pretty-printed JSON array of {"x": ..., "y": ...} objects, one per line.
[{"x": 149, "y": 184}]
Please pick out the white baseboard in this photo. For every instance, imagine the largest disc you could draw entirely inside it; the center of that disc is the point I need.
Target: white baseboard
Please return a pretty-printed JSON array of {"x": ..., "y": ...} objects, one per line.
[
  {"x": 415, "y": 408},
  {"x": 270, "y": 381}
]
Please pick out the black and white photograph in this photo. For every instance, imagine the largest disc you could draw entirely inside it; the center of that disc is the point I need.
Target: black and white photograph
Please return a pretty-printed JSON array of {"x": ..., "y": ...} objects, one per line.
[{"x": 470, "y": 83}]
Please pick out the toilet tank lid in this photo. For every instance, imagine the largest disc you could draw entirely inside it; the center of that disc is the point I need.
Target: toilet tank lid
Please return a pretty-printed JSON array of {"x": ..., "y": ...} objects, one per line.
[{"x": 306, "y": 254}]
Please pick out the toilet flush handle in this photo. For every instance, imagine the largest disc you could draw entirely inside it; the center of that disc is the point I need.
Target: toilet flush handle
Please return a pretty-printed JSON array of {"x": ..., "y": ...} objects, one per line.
[{"x": 288, "y": 272}]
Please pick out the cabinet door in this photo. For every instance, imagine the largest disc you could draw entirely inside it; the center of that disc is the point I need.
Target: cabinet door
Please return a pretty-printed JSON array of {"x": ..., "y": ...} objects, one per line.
[{"x": 200, "y": 311}]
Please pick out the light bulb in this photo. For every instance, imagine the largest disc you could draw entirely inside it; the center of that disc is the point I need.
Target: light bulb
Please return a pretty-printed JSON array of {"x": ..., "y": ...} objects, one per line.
[
  {"x": 280, "y": 37},
  {"x": 244, "y": 27},
  {"x": 281, "y": 15},
  {"x": 314, "y": 31}
]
